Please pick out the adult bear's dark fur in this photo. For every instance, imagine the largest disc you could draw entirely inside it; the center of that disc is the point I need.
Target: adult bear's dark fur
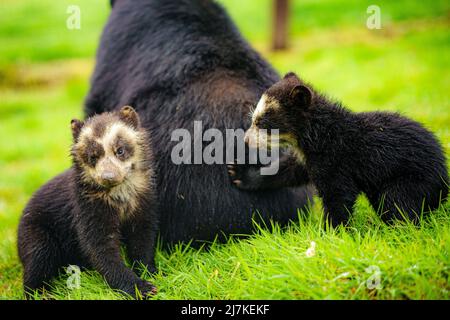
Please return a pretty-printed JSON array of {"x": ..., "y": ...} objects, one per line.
[
  {"x": 177, "y": 61},
  {"x": 395, "y": 161},
  {"x": 81, "y": 216}
]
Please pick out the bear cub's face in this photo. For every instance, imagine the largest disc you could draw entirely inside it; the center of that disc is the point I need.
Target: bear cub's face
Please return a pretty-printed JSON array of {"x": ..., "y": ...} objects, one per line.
[
  {"x": 106, "y": 147},
  {"x": 280, "y": 107}
]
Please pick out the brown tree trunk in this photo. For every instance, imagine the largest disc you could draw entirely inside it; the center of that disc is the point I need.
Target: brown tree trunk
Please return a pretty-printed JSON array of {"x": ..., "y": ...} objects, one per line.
[{"x": 280, "y": 24}]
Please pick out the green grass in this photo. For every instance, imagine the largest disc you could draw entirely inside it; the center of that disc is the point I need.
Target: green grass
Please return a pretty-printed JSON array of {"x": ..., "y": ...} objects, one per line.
[
  {"x": 44, "y": 71},
  {"x": 273, "y": 264}
]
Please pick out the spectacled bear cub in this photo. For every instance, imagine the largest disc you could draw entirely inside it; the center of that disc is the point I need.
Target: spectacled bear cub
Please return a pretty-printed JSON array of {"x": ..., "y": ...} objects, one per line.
[
  {"x": 395, "y": 161},
  {"x": 176, "y": 62},
  {"x": 82, "y": 216}
]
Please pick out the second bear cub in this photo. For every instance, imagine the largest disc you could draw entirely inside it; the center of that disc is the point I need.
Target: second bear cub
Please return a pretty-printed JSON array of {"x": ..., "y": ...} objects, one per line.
[
  {"x": 395, "y": 161},
  {"x": 82, "y": 216}
]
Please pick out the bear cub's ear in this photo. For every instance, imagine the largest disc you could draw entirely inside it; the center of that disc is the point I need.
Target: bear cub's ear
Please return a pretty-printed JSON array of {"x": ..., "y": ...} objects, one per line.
[
  {"x": 76, "y": 126},
  {"x": 128, "y": 115},
  {"x": 302, "y": 96},
  {"x": 291, "y": 75}
]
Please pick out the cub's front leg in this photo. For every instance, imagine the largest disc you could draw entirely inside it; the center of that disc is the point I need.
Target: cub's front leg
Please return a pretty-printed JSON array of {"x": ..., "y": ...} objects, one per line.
[
  {"x": 139, "y": 236},
  {"x": 339, "y": 196},
  {"x": 100, "y": 241}
]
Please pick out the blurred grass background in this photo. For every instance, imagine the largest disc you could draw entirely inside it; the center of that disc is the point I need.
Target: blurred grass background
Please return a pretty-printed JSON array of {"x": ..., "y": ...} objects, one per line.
[{"x": 45, "y": 68}]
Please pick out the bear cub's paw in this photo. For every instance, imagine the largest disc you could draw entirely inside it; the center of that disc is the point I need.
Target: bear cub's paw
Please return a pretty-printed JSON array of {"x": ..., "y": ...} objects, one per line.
[
  {"x": 244, "y": 176},
  {"x": 147, "y": 289}
]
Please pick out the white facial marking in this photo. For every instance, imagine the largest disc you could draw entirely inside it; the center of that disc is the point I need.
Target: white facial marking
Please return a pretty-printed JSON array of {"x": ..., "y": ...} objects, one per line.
[
  {"x": 298, "y": 154},
  {"x": 260, "y": 107},
  {"x": 111, "y": 134},
  {"x": 128, "y": 192},
  {"x": 252, "y": 137},
  {"x": 264, "y": 104},
  {"x": 86, "y": 131}
]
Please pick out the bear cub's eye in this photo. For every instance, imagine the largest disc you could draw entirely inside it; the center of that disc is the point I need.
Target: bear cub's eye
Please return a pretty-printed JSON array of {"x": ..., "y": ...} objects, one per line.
[
  {"x": 120, "y": 151},
  {"x": 92, "y": 159}
]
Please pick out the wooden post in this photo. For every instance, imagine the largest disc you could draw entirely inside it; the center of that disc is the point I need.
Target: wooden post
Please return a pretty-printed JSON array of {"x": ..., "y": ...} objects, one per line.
[{"x": 280, "y": 24}]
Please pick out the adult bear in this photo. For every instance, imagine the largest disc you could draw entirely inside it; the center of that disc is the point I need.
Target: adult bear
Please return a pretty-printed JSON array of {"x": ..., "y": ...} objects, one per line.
[{"x": 176, "y": 61}]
